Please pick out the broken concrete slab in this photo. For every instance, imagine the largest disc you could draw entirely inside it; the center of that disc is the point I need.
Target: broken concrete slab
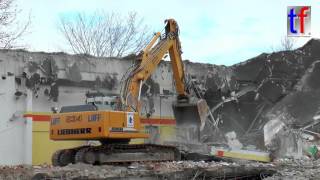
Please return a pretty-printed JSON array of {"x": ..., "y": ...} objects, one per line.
[{"x": 281, "y": 85}]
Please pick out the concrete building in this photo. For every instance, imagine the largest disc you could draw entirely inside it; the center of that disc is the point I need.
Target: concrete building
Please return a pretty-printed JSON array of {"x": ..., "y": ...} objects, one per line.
[{"x": 28, "y": 91}]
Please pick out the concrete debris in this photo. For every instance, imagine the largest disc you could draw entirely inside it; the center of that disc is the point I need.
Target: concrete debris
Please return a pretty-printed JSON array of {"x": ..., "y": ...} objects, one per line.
[
  {"x": 232, "y": 140},
  {"x": 280, "y": 169},
  {"x": 270, "y": 130},
  {"x": 194, "y": 147},
  {"x": 284, "y": 141},
  {"x": 158, "y": 170},
  {"x": 22, "y": 172},
  {"x": 276, "y": 90},
  {"x": 288, "y": 144},
  {"x": 296, "y": 169}
]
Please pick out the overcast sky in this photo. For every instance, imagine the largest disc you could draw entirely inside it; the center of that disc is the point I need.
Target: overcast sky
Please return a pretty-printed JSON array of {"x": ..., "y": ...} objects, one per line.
[{"x": 212, "y": 31}]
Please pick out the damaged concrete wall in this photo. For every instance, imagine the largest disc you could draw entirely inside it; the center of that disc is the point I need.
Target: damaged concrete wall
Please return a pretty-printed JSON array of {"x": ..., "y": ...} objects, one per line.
[{"x": 16, "y": 144}]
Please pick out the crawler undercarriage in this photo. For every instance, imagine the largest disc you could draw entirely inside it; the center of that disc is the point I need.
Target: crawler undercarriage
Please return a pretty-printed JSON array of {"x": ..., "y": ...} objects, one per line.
[{"x": 115, "y": 153}]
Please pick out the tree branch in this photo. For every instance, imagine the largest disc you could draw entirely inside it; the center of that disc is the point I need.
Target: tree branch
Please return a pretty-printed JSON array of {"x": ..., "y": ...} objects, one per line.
[{"x": 104, "y": 35}]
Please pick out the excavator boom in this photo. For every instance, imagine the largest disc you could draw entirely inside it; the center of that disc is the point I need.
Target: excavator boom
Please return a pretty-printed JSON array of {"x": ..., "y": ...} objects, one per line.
[
  {"x": 188, "y": 112},
  {"x": 152, "y": 56}
]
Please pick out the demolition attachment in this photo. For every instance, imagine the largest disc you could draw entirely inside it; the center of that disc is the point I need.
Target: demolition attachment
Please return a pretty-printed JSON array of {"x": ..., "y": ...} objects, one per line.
[{"x": 190, "y": 119}]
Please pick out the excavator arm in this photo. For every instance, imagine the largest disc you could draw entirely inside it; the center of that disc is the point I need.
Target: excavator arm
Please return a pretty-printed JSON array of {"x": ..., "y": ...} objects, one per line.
[
  {"x": 152, "y": 56},
  {"x": 187, "y": 113}
]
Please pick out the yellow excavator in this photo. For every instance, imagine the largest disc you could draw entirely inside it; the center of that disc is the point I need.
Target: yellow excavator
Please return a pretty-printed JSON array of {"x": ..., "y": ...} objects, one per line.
[{"x": 115, "y": 127}]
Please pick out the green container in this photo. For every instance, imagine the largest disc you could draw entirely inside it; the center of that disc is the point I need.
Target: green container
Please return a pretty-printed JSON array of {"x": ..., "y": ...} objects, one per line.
[{"x": 313, "y": 150}]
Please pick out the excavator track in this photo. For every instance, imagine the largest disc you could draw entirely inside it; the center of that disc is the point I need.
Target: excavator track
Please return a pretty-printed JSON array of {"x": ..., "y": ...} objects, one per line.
[
  {"x": 116, "y": 153},
  {"x": 64, "y": 157}
]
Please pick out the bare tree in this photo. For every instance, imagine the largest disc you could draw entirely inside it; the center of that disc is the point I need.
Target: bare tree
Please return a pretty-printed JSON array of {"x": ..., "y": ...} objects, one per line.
[
  {"x": 104, "y": 34},
  {"x": 10, "y": 28},
  {"x": 287, "y": 43}
]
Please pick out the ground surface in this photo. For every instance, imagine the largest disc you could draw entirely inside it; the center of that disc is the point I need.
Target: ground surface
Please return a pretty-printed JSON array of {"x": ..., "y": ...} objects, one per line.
[{"x": 284, "y": 169}]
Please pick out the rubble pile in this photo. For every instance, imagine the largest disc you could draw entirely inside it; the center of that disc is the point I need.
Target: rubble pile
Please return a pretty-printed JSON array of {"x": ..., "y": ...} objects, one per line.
[
  {"x": 296, "y": 169},
  {"x": 282, "y": 86},
  {"x": 158, "y": 170},
  {"x": 16, "y": 172},
  {"x": 280, "y": 169}
]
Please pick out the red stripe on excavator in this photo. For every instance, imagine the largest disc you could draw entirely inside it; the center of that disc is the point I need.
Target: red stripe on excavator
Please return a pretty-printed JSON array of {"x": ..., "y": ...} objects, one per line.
[{"x": 156, "y": 121}]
